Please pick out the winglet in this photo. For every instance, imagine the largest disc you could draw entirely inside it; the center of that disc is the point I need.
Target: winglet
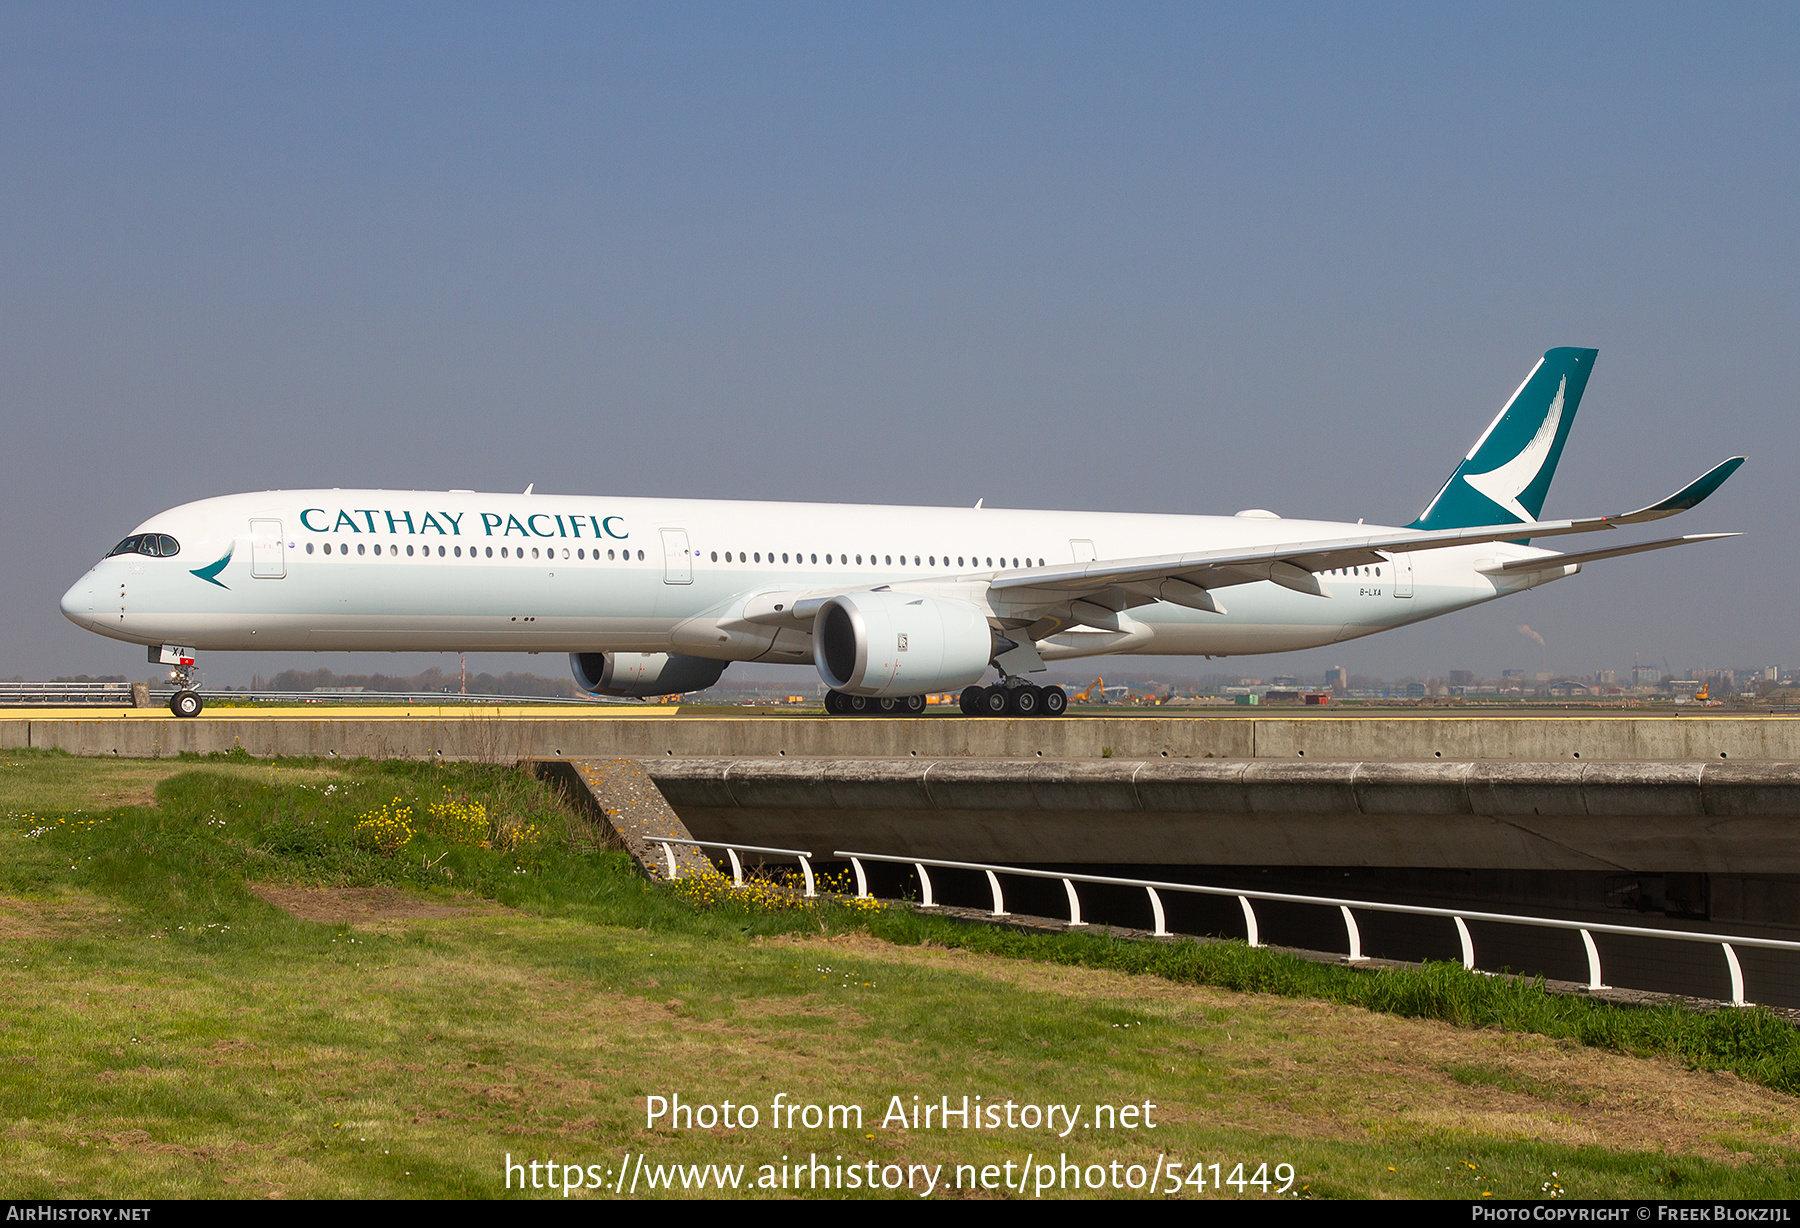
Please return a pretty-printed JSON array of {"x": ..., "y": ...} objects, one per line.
[{"x": 1688, "y": 496}]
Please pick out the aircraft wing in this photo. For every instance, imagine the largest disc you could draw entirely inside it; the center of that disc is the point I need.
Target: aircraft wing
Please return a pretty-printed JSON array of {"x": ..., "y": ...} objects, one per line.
[
  {"x": 1046, "y": 597},
  {"x": 1175, "y": 577}
]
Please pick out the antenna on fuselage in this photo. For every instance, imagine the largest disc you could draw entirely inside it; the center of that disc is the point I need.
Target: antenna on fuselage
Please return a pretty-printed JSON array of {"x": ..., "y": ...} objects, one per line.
[
  {"x": 528, "y": 487},
  {"x": 978, "y": 503}
]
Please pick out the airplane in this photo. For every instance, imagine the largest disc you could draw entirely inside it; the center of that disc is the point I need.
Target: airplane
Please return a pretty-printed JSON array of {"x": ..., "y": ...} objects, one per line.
[{"x": 654, "y": 597}]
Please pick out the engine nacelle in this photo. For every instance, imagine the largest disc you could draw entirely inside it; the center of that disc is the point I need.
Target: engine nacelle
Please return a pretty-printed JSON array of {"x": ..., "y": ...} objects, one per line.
[
  {"x": 900, "y": 644},
  {"x": 642, "y": 674}
]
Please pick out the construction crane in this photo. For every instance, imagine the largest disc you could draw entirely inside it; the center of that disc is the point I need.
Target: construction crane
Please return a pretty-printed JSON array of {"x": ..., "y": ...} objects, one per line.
[{"x": 1096, "y": 692}]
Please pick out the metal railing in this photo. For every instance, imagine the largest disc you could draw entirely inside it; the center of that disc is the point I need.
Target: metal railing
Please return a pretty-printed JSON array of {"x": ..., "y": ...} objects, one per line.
[
  {"x": 1587, "y": 929},
  {"x": 732, "y": 851},
  {"x": 118, "y": 694},
  {"x": 64, "y": 694}
]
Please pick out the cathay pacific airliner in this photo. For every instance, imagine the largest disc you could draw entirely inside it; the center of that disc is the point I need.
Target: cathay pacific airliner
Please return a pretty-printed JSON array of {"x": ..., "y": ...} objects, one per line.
[{"x": 657, "y": 596}]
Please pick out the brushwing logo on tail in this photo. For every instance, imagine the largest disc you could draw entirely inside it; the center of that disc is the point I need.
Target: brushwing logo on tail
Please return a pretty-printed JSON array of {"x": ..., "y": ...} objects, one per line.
[{"x": 1505, "y": 483}]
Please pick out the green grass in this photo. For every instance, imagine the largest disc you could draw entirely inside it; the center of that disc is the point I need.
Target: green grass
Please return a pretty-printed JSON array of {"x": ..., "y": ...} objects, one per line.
[
  {"x": 164, "y": 1032},
  {"x": 1751, "y": 1043}
]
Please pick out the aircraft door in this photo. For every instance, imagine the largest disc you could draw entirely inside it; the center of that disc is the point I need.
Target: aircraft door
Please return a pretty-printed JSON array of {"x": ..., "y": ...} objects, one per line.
[
  {"x": 1403, "y": 574},
  {"x": 678, "y": 560},
  {"x": 267, "y": 561},
  {"x": 1082, "y": 549}
]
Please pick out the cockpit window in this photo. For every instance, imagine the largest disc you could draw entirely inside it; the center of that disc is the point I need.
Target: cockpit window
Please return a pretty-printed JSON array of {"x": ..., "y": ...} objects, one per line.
[{"x": 156, "y": 545}]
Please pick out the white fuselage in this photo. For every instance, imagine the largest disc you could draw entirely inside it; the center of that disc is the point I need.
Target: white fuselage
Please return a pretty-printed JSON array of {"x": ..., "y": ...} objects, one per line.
[{"x": 421, "y": 571}]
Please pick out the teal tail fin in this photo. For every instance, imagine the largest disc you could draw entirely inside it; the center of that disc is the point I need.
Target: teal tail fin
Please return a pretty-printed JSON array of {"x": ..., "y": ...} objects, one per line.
[{"x": 1506, "y": 475}]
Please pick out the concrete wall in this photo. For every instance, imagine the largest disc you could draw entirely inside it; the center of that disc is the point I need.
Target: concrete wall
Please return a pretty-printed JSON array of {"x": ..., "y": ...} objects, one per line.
[
  {"x": 1716, "y": 817},
  {"x": 506, "y": 738}
]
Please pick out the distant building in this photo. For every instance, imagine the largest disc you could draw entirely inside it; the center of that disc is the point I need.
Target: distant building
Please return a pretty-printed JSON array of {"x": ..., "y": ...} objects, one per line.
[
  {"x": 1645, "y": 675},
  {"x": 1462, "y": 677},
  {"x": 1608, "y": 677},
  {"x": 1338, "y": 679}
]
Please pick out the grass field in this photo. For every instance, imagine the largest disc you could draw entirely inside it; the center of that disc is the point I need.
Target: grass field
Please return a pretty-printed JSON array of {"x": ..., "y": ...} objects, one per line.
[{"x": 225, "y": 978}]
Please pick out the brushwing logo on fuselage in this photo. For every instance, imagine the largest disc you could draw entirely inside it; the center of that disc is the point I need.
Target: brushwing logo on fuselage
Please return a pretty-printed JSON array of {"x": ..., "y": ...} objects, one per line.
[
  {"x": 1505, "y": 483},
  {"x": 210, "y": 572}
]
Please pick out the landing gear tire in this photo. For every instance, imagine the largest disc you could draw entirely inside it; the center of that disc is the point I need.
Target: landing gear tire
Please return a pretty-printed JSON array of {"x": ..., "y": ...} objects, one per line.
[
  {"x": 914, "y": 705},
  {"x": 994, "y": 701},
  {"x": 1026, "y": 701},
  {"x": 834, "y": 704},
  {"x": 970, "y": 702},
  {"x": 186, "y": 704},
  {"x": 1056, "y": 701},
  {"x": 887, "y": 705},
  {"x": 858, "y": 705}
]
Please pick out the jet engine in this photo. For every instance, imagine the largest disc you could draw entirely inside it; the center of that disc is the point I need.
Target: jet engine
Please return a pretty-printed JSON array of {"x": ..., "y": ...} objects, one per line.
[
  {"x": 642, "y": 674},
  {"x": 888, "y": 643}
]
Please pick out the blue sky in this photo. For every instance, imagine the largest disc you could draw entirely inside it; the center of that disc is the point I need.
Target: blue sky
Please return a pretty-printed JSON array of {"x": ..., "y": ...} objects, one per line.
[{"x": 1139, "y": 258}]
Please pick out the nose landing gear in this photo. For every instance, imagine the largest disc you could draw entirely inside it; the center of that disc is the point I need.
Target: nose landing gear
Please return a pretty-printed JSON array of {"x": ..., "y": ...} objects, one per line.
[{"x": 186, "y": 702}]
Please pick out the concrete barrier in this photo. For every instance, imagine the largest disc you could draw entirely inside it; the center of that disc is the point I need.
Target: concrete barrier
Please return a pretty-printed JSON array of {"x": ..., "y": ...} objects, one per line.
[
  {"x": 506, "y": 735},
  {"x": 1726, "y": 818}
]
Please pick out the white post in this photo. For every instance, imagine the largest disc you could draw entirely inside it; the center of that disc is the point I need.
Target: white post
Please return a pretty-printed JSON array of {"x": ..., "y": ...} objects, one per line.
[
  {"x": 1593, "y": 954},
  {"x": 1468, "y": 944},
  {"x": 999, "y": 900},
  {"x": 737, "y": 868},
  {"x": 1356, "y": 956},
  {"x": 925, "y": 886},
  {"x": 669, "y": 856},
  {"x": 1156, "y": 909},
  {"x": 1737, "y": 975},
  {"x": 1074, "y": 904},
  {"x": 1250, "y": 931},
  {"x": 806, "y": 869},
  {"x": 862, "y": 880}
]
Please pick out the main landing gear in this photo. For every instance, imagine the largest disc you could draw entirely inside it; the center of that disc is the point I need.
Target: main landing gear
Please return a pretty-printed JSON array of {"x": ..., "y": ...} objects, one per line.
[
  {"x": 997, "y": 700},
  {"x": 1022, "y": 700},
  {"x": 839, "y": 704}
]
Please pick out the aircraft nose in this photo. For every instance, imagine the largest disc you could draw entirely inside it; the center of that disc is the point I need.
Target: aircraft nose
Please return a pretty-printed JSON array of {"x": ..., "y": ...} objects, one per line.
[{"x": 78, "y": 602}]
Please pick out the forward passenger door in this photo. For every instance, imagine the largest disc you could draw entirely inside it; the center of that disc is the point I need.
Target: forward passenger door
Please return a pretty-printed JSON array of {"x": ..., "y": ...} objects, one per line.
[
  {"x": 678, "y": 560},
  {"x": 267, "y": 561}
]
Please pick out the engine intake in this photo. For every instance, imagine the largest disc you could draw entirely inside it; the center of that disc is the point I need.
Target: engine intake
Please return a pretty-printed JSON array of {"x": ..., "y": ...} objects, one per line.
[
  {"x": 887, "y": 643},
  {"x": 639, "y": 675}
]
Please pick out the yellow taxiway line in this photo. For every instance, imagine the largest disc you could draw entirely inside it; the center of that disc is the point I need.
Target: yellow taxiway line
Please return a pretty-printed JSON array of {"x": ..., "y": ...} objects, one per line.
[{"x": 342, "y": 712}]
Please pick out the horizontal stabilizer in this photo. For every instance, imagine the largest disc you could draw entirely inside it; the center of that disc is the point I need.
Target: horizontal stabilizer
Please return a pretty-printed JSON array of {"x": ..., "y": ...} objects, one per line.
[{"x": 1544, "y": 562}]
